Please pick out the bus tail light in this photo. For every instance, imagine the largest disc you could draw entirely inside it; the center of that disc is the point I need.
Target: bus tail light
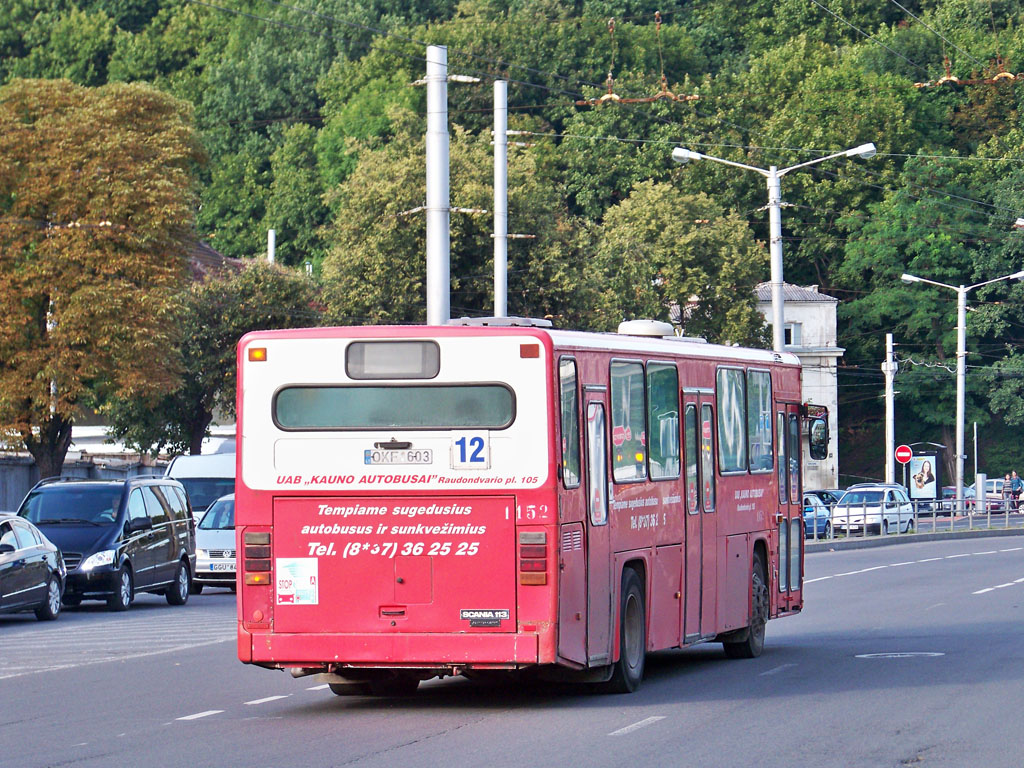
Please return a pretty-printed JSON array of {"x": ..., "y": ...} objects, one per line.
[
  {"x": 257, "y": 555},
  {"x": 533, "y": 558}
]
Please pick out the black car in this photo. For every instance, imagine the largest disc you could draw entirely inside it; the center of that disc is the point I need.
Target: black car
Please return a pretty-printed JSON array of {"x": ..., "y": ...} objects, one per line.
[
  {"x": 118, "y": 537},
  {"x": 31, "y": 570}
]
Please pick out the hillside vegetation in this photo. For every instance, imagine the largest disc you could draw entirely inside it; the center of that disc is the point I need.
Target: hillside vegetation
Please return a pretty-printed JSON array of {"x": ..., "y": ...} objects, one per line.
[{"x": 310, "y": 125}]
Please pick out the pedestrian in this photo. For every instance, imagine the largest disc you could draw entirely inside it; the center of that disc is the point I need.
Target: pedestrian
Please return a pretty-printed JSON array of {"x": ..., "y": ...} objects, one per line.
[
  {"x": 1007, "y": 492},
  {"x": 1016, "y": 486}
]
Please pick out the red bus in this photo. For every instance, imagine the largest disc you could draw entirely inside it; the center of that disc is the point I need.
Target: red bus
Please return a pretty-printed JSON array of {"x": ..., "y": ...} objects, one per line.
[{"x": 414, "y": 502}]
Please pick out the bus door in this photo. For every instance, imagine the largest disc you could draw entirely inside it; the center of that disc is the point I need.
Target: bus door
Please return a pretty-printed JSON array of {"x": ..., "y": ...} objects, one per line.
[
  {"x": 789, "y": 521},
  {"x": 700, "y": 555},
  {"x": 600, "y": 592}
]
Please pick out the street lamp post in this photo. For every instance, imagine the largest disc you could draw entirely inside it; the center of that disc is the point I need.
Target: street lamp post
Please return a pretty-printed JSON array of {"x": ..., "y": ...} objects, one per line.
[
  {"x": 961, "y": 364},
  {"x": 773, "y": 174}
]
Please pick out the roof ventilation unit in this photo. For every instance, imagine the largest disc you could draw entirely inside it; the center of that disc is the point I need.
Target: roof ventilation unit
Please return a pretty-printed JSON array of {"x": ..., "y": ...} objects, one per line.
[
  {"x": 649, "y": 328},
  {"x": 502, "y": 322}
]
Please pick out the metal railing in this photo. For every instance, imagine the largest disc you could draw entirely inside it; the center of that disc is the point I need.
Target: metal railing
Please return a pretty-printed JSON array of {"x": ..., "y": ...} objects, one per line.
[{"x": 870, "y": 520}]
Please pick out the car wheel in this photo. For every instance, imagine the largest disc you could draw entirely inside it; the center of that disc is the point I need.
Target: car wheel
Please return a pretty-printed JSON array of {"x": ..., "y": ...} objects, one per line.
[
  {"x": 197, "y": 588},
  {"x": 628, "y": 671},
  {"x": 124, "y": 591},
  {"x": 752, "y": 642},
  {"x": 177, "y": 593},
  {"x": 50, "y": 608}
]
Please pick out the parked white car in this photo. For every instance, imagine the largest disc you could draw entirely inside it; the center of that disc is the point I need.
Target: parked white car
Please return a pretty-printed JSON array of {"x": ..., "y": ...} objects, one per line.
[
  {"x": 215, "y": 546},
  {"x": 880, "y": 508}
]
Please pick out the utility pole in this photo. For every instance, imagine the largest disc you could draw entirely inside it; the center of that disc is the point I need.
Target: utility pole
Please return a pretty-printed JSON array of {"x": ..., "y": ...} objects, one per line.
[
  {"x": 889, "y": 369},
  {"x": 438, "y": 199},
  {"x": 501, "y": 198},
  {"x": 271, "y": 245}
]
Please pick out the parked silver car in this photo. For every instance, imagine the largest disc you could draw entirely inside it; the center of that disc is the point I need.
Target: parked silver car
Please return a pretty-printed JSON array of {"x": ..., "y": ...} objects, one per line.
[
  {"x": 878, "y": 508},
  {"x": 215, "y": 546}
]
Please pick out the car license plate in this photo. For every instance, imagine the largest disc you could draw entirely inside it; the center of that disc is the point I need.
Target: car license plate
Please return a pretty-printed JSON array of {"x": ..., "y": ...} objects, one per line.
[
  {"x": 222, "y": 566},
  {"x": 403, "y": 456}
]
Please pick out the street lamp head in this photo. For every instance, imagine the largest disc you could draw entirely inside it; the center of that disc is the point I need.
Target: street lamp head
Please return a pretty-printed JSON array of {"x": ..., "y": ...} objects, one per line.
[
  {"x": 1016, "y": 276},
  {"x": 864, "y": 150},
  {"x": 682, "y": 155},
  {"x": 909, "y": 278},
  {"x": 1018, "y": 224}
]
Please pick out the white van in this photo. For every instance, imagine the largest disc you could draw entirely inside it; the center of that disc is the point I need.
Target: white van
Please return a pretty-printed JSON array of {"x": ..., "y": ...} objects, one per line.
[{"x": 206, "y": 478}]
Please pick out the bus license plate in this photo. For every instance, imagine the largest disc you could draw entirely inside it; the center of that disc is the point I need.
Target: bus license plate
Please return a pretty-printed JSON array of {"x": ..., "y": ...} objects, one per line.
[{"x": 406, "y": 456}]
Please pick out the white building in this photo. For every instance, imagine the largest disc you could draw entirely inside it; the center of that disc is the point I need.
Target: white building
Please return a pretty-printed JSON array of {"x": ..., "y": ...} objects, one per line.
[{"x": 811, "y": 334}]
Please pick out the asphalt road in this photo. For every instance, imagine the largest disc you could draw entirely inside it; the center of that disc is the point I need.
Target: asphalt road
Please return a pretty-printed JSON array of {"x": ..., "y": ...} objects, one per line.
[{"x": 905, "y": 655}]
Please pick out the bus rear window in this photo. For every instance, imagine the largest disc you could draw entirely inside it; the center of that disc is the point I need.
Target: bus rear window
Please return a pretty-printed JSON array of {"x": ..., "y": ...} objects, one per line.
[
  {"x": 436, "y": 406},
  {"x": 392, "y": 360}
]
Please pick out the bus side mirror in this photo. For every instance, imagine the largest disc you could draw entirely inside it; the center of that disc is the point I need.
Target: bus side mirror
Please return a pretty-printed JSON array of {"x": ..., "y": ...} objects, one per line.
[{"x": 818, "y": 439}]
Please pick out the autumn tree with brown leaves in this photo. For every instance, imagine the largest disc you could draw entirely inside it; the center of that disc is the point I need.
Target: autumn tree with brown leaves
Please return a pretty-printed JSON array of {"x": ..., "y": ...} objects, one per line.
[{"x": 96, "y": 201}]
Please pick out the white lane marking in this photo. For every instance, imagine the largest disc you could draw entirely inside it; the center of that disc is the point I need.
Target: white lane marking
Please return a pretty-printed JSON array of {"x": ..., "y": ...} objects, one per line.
[
  {"x": 929, "y": 559},
  {"x": 637, "y": 726},
  {"x": 776, "y": 670},
  {"x": 983, "y": 591},
  {"x": 820, "y": 578},
  {"x": 323, "y": 687},
  {"x": 197, "y": 715},
  {"x": 265, "y": 700},
  {"x": 963, "y": 554},
  {"x": 1001, "y": 586},
  {"x": 896, "y": 565},
  {"x": 1013, "y": 549},
  {"x": 1018, "y": 581},
  {"x": 875, "y": 568},
  {"x": 124, "y": 657},
  {"x": 990, "y": 552}
]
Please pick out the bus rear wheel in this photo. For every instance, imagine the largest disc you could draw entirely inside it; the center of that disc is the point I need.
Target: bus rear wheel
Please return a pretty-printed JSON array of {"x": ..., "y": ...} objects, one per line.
[
  {"x": 751, "y": 643},
  {"x": 628, "y": 671}
]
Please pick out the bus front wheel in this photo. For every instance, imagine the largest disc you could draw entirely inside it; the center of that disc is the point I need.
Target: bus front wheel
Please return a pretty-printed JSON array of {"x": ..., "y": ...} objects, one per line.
[{"x": 751, "y": 642}]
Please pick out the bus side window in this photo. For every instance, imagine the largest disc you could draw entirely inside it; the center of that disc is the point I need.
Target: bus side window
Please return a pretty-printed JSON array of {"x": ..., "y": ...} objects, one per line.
[
  {"x": 597, "y": 462},
  {"x": 781, "y": 441},
  {"x": 570, "y": 422},
  {"x": 690, "y": 438},
  {"x": 732, "y": 420},
  {"x": 794, "y": 457},
  {"x": 759, "y": 421},
  {"x": 663, "y": 420},
  {"x": 707, "y": 456},
  {"x": 629, "y": 441}
]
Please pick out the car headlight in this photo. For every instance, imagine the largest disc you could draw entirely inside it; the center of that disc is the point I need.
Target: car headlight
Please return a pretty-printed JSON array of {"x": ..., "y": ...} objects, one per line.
[
  {"x": 106, "y": 557},
  {"x": 202, "y": 553}
]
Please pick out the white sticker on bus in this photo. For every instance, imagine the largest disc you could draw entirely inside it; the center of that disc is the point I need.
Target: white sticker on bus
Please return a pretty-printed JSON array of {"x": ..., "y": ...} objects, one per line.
[{"x": 297, "y": 580}]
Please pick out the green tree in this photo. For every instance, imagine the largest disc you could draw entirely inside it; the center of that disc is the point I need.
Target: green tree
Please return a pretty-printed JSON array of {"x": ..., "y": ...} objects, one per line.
[
  {"x": 95, "y": 203},
  {"x": 661, "y": 248},
  {"x": 211, "y": 316},
  {"x": 295, "y": 209}
]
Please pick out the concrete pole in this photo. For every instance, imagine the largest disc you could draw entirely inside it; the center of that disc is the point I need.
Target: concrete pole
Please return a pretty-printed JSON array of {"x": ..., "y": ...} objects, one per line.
[
  {"x": 889, "y": 369},
  {"x": 775, "y": 247},
  {"x": 438, "y": 200},
  {"x": 271, "y": 245},
  {"x": 961, "y": 382},
  {"x": 501, "y": 198}
]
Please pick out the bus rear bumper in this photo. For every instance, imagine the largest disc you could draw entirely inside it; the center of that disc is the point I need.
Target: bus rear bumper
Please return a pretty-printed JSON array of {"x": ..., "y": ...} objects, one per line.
[{"x": 413, "y": 649}]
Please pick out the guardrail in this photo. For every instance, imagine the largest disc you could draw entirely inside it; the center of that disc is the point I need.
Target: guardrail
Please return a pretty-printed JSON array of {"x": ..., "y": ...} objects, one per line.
[{"x": 870, "y": 520}]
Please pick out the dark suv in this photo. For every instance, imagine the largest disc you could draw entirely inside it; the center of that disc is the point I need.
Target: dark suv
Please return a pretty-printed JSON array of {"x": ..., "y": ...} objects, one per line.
[{"x": 118, "y": 537}]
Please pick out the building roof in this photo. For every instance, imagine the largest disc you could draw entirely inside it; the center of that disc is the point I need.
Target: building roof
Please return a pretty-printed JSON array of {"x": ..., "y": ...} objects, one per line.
[
  {"x": 792, "y": 292},
  {"x": 204, "y": 261}
]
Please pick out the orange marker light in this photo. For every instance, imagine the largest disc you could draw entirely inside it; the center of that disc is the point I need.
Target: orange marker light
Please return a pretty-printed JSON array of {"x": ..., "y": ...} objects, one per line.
[
  {"x": 529, "y": 350},
  {"x": 257, "y": 354}
]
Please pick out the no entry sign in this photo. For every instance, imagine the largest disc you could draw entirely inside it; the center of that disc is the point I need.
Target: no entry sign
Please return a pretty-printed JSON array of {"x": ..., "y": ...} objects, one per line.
[{"x": 904, "y": 454}]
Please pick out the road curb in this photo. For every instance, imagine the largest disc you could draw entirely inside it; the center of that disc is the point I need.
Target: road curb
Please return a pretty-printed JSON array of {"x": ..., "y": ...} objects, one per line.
[{"x": 907, "y": 538}]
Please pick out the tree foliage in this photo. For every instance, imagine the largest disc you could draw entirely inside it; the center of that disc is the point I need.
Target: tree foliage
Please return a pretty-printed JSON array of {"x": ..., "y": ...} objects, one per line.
[
  {"x": 212, "y": 316},
  {"x": 96, "y": 201}
]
